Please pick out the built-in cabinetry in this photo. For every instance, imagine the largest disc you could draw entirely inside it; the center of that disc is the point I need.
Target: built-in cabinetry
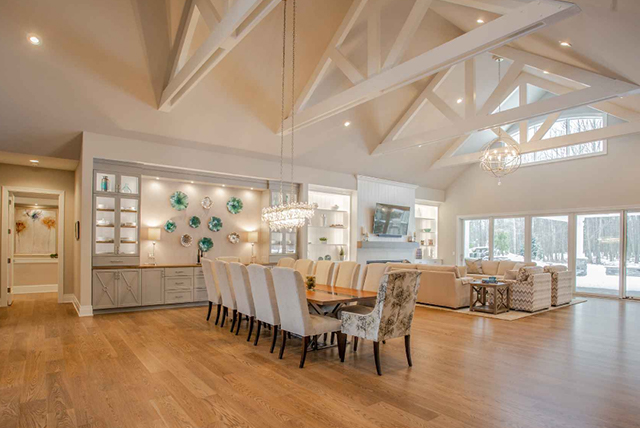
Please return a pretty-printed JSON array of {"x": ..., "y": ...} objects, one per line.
[
  {"x": 147, "y": 286},
  {"x": 427, "y": 230},
  {"x": 328, "y": 235}
]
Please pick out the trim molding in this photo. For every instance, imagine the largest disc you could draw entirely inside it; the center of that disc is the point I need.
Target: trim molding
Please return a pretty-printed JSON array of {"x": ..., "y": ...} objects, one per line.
[
  {"x": 29, "y": 289},
  {"x": 384, "y": 181},
  {"x": 83, "y": 311},
  {"x": 35, "y": 260},
  {"x": 68, "y": 298}
]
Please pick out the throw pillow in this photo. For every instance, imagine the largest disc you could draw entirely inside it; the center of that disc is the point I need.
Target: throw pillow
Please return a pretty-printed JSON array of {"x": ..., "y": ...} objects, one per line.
[
  {"x": 474, "y": 266},
  {"x": 517, "y": 266}
]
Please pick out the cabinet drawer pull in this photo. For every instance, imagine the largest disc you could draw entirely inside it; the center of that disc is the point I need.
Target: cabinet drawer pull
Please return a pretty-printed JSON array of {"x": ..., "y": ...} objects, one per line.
[
  {"x": 116, "y": 261},
  {"x": 179, "y": 297},
  {"x": 179, "y": 283}
]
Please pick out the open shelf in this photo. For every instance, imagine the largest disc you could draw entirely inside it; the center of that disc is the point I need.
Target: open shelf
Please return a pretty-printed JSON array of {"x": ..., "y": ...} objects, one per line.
[{"x": 329, "y": 227}]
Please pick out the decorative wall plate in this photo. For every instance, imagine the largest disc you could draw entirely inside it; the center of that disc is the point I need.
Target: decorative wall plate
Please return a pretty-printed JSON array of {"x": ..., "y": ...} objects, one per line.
[
  {"x": 170, "y": 226},
  {"x": 206, "y": 202},
  {"x": 233, "y": 237},
  {"x": 194, "y": 222},
  {"x": 215, "y": 224},
  {"x": 205, "y": 244},
  {"x": 327, "y": 257},
  {"x": 179, "y": 200},
  {"x": 186, "y": 240},
  {"x": 234, "y": 205}
]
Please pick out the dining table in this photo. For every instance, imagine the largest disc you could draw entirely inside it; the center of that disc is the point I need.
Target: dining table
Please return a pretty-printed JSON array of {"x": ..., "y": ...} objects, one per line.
[{"x": 327, "y": 299}]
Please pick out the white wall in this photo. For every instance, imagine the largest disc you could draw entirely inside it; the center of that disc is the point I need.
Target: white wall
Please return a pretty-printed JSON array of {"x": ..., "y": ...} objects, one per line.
[{"x": 600, "y": 182}]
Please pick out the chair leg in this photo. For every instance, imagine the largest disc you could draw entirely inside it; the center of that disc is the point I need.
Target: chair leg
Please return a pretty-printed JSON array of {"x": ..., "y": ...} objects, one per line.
[
  {"x": 250, "y": 328},
  {"x": 355, "y": 344},
  {"x": 225, "y": 311},
  {"x": 376, "y": 356},
  {"x": 305, "y": 346},
  {"x": 342, "y": 345},
  {"x": 407, "y": 348},
  {"x": 257, "y": 333},
  {"x": 239, "y": 322},
  {"x": 218, "y": 313},
  {"x": 326, "y": 335},
  {"x": 235, "y": 317},
  {"x": 210, "y": 307},
  {"x": 284, "y": 342},
  {"x": 275, "y": 336},
  {"x": 333, "y": 336}
]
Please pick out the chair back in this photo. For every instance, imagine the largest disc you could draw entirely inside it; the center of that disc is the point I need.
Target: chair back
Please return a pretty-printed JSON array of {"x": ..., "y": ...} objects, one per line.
[
  {"x": 324, "y": 272},
  {"x": 210, "y": 281},
  {"x": 242, "y": 289},
  {"x": 304, "y": 266},
  {"x": 286, "y": 262},
  {"x": 229, "y": 259},
  {"x": 264, "y": 294},
  {"x": 221, "y": 270},
  {"x": 371, "y": 276},
  {"x": 347, "y": 275},
  {"x": 292, "y": 301},
  {"x": 396, "y": 303}
]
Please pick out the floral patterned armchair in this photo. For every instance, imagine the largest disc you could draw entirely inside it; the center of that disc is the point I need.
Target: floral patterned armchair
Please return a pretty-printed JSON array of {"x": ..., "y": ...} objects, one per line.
[{"x": 392, "y": 315}]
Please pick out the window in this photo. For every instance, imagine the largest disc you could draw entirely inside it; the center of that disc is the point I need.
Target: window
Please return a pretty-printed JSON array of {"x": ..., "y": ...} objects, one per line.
[
  {"x": 476, "y": 239},
  {"x": 508, "y": 239},
  {"x": 550, "y": 240}
]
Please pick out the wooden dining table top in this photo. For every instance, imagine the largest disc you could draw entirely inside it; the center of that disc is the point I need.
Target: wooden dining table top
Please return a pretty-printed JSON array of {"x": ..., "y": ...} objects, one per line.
[{"x": 329, "y": 295}]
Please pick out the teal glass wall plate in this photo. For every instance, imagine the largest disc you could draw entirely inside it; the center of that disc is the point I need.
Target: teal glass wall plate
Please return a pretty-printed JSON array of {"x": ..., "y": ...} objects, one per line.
[
  {"x": 170, "y": 226},
  {"x": 215, "y": 224},
  {"x": 194, "y": 222},
  {"x": 205, "y": 244},
  {"x": 234, "y": 205},
  {"x": 179, "y": 200}
]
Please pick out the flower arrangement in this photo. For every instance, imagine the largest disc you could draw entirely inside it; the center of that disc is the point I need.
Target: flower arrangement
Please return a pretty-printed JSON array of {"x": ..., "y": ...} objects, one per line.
[{"x": 311, "y": 282}]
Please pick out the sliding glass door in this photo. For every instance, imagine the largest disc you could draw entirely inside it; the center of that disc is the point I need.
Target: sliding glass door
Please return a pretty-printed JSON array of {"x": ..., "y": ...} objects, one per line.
[
  {"x": 632, "y": 259},
  {"x": 508, "y": 239},
  {"x": 598, "y": 253},
  {"x": 550, "y": 240},
  {"x": 476, "y": 239}
]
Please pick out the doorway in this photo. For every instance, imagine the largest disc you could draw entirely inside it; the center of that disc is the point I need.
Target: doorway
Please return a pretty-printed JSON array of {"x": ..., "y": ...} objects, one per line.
[{"x": 32, "y": 242}]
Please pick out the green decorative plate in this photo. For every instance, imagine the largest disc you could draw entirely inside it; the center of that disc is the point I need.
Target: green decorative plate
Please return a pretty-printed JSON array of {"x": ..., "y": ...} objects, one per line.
[
  {"x": 194, "y": 222},
  {"x": 205, "y": 244},
  {"x": 234, "y": 205},
  {"x": 179, "y": 200},
  {"x": 215, "y": 224},
  {"x": 170, "y": 226}
]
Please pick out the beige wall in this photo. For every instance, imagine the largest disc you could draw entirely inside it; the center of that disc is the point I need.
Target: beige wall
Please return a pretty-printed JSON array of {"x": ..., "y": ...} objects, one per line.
[
  {"x": 50, "y": 179},
  {"x": 29, "y": 274},
  {"x": 156, "y": 210},
  {"x": 598, "y": 182}
]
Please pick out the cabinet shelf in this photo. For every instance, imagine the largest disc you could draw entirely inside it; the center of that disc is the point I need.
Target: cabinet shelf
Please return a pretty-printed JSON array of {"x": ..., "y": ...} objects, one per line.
[
  {"x": 129, "y": 227},
  {"x": 330, "y": 245},
  {"x": 331, "y": 211},
  {"x": 328, "y": 227},
  {"x": 127, "y": 211},
  {"x": 105, "y": 225},
  {"x": 105, "y": 210}
]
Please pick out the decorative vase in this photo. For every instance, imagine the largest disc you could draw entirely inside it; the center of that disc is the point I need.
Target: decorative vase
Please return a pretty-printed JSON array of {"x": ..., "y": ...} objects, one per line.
[
  {"x": 324, "y": 220},
  {"x": 104, "y": 183}
]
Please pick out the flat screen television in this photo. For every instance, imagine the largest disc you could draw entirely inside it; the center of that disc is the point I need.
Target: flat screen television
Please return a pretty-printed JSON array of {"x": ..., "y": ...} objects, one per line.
[{"x": 391, "y": 220}]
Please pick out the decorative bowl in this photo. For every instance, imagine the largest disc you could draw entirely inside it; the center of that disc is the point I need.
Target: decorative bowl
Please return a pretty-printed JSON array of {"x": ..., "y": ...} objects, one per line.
[
  {"x": 194, "y": 222},
  {"x": 205, "y": 244},
  {"x": 186, "y": 240},
  {"x": 215, "y": 224},
  {"x": 233, "y": 237},
  {"x": 206, "y": 202},
  {"x": 170, "y": 226},
  {"x": 179, "y": 200},
  {"x": 234, "y": 205}
]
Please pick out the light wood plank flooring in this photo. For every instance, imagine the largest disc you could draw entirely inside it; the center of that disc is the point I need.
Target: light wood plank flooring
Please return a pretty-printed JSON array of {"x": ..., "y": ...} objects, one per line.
[{"x": 576, "y": 367}]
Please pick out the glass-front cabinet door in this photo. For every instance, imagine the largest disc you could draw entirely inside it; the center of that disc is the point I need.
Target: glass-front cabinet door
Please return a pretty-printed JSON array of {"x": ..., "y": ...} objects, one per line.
[
  {"x": 116, "y": 226},
  {"x": 109, "y": 182},
  {"x": 105, "y": 233},
  {"x": 128, "y": 226}
]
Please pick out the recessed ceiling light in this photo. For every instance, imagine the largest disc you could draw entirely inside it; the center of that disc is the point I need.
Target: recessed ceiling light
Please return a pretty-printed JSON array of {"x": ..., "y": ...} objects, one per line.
[
  {"x": 545, "y": 72},
  {"x": 34, "y": 161},
  {"x": 192, "y": 182},
  {"x": 252, "y": 188},
  {"x": 480, "y": 21},
  {"x": 34, "y": 40},
  {"x": 157, "y": 178},
  {"x": 224, "y": 185},
  {"x": 347, "y": 123},
  {"x": 419, "y": 145},
  {"x": 459, "y": 100},
  {"x": 565, "y": 44},
  {"x": 36, "y": 205}
]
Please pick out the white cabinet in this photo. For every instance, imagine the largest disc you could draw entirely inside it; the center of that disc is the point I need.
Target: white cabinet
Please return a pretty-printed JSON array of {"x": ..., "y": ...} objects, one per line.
[
  {"x": 129, "y": 290},
  {"x": 152, "y": 287},
  {"x": 115, "y": 288}
]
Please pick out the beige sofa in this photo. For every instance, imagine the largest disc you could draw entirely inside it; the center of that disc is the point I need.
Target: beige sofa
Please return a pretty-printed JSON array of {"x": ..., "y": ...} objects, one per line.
[
  {"x": 497, "y": 268},
  {"x": 439, "y": 285}
]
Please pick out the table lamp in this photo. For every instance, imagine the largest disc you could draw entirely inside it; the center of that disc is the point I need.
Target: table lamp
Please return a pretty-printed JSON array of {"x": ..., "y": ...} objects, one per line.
[
  {"x": 154, "y": 235},
  {"x": 252, "y": 238}
]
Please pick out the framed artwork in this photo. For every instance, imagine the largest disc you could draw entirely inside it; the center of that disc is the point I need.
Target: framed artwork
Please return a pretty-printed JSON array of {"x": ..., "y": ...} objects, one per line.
[{"x": 36, "y": 231}]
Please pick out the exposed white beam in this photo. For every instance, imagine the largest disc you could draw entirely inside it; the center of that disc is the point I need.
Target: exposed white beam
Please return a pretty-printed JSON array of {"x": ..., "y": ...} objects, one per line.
[
  {"x": 505, "y": 87},
  {"x": 416, "y": 15},
  {"x": 187, "y": 28},
  {"x": 209, "y": 13},
  {"x": 540, "y": 108},
  {"x": 454, "y": 146},
  {"x": 551, "y": 143},
  {"x": 443, "y": 107},
  {"x": 373, "y": 38},
  {"x": 545, "y": 127},
  {"x": 346, "y": 67},
  {"x": 501, "y": 7},
  {"x": 524, "y": 125},
  {"x": 336, "y": 41},
  {"x": 526, "y": 20},
  {"x": 216, "y": 47},
  {"x": 470, "y": 88}
]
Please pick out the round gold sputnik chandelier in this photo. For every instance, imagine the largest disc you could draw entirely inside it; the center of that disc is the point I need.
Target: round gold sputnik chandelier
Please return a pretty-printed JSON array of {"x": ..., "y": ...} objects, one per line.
[
  {"x": 501, "y": 156},
  {"x": 287, "y": 213}
]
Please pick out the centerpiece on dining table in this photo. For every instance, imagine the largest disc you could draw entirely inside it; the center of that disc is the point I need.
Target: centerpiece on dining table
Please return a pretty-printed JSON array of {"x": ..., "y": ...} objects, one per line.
[{"x": 311, "y": 282}]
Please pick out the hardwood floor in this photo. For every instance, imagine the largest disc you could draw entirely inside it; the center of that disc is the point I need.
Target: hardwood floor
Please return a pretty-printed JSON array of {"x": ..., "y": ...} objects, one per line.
[{"x": 575, "y": 367}]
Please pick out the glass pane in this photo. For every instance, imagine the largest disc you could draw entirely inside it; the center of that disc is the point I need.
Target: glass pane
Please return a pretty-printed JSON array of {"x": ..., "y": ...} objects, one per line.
[
  {"x": 633, "y": 254},
  {"x": 550, "y": 240},
  {"x": 105, "y": 225},
  {"x": 105, "y": 182},
  {"x": 129, "y": 184},
  {"x": 476, "y": 239},
  {"x": 128, "y": 226},
  {"x": 508, "y": 239},
  {"x": 598, "y": 254}
]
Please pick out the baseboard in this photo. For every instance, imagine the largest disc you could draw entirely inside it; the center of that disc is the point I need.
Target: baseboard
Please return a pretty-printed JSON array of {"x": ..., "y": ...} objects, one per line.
[
  {"x": 30, "y": 289},
  {"x": 83, "y": 311},
  {"x": 68, "y": 298}
]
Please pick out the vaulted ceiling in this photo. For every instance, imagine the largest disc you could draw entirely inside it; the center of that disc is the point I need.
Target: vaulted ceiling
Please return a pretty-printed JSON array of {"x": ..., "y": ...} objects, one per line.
[{"x": 103, "y": 66}]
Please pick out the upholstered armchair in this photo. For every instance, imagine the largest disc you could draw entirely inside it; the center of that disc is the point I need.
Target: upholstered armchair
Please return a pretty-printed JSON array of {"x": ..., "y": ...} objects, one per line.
[
  {"x": 390, "y": 318},
  {"x": 531, "y": 290},
  {"x": 561, "y": 284}
]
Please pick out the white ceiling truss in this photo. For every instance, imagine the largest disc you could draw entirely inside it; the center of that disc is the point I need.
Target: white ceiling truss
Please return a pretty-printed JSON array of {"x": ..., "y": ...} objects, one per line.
[
  {"x": 383, "y": 76},
  {"x": 227, "y": 28}
]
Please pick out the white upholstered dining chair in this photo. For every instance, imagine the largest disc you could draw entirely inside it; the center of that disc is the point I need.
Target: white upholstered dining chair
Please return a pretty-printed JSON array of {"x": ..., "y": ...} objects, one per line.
[
  {"x": 323, "y": 272},
  {"x": 304, "y": 266},
  {"x": 347, "y": 275},
  {"x": 212, "y": 288},
  {"x": 286, "y": 262},
  {"x": 223, "y": 279},
  {"x": 229, "y": 259},
  {"x": 294, "y": 312},
  {"x": 390, "y": 318},
  {"x": 264, "y": 299},
  {"x": 244, "y": 297},
  {"x": 371, "y": 276}
]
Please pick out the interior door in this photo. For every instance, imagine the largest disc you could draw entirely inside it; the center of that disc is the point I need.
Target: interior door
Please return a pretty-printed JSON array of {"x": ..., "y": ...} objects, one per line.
[
  {"x": 129, "y": 288},
  {"x": 12, "y": 227}
]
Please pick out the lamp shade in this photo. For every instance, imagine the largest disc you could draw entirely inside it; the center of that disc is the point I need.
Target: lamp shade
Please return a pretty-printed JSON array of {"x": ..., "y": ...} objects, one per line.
[
  {"x": 252, "y": 237},
  {"x": 154, "y": 234}
]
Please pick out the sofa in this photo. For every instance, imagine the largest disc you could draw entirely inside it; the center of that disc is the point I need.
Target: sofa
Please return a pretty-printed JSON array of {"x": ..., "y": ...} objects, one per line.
[
  {"x": 493, "y": 268},
  {"x": 439, "y": 285}
]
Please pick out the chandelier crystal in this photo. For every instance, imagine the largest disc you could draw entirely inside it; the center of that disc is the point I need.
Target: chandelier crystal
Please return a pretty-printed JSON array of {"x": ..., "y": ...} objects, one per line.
[{"x": 288, "y": 214}]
